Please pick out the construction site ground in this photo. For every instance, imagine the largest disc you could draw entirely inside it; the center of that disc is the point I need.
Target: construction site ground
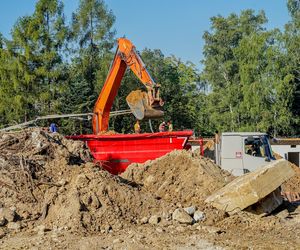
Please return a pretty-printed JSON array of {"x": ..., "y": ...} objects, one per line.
[{"x": 53, "y": 196}]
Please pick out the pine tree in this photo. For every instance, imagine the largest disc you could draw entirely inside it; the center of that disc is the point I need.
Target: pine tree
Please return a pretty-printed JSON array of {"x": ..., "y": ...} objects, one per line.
[
  {"x": 91, "y": 39},
  {"x": 36, "y": 49},
  {"x": 292, "y": 46}
]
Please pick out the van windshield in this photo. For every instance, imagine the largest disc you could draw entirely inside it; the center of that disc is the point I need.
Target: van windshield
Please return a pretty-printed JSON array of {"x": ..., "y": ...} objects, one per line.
[{"x": 258, "y": 146}]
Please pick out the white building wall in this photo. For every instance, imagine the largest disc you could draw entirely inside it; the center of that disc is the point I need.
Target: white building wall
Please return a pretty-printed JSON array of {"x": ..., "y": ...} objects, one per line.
[{"x": 284, "y": 149}]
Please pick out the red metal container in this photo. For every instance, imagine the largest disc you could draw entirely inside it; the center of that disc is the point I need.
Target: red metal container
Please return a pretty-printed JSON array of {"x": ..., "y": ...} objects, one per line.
[{"x": 116, "y": 152}]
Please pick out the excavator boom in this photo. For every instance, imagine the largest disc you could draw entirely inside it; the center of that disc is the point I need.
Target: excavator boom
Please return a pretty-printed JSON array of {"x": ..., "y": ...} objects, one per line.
[{"x": 142, "y": 104}]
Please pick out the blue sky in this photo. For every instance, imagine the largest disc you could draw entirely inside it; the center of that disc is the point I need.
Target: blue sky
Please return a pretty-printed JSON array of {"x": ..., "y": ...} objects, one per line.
[{"x": 174, "y": 26}]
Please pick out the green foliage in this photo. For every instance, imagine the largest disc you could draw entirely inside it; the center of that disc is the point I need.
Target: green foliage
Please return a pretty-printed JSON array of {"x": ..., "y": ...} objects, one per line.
[
  {"x": 33, "y": 78},
  {"x": 248, "y": 71},
  {"x": 250, "y": 80},
  {"x": 91, "y": 39},
  {"x": 291, "y": 40}
]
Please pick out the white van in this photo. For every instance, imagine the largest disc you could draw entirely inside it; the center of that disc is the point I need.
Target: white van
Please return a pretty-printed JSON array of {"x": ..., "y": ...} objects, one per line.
[{"x": 243, "y": 152}]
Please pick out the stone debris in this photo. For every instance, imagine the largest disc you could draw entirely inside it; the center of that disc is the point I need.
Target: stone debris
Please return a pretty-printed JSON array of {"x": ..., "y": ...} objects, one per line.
[
  {"x": 199, "y": 216},
  {"x": 182, "y": 216},
  {"x": 7, "y": 214},
  {"x": 154, "y": 220},
  {"x": 14, "y": 225},
  {"x": 3, "y": 221},
  {"x": 250, "y": 188},
  {"x": 190, "y": 210},
  {"x": 2, "y": 233},
  {"x": 41, "y": 229},
  {"x": 144, "y": 220},
  {"x": 116, "y": 241},
  {"x": 50, "y": 188}
]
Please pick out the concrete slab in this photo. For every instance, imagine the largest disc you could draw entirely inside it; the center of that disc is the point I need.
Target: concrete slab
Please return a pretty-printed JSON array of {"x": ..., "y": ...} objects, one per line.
[{"x": 250, "y": 188}]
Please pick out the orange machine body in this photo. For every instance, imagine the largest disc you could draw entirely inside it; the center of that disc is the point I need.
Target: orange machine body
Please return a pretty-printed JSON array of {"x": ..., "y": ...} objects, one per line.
[{"x": 126, "y": 56}]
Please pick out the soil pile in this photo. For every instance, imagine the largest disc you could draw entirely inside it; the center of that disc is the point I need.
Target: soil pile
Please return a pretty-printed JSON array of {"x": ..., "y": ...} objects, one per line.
[
  {"x": 136, "y": 96},
  {"x": 53, "y": 196},
  {"x": 47, "y": 180},
  {"x": 32, "y": 158},
  {"x": 208, "y": 150},
  {"x": 179, "y": 177},
  {"x": 109, "y": 132},
  {"x": 293, "y": 184},
  {"x": 94, "y": 200}
]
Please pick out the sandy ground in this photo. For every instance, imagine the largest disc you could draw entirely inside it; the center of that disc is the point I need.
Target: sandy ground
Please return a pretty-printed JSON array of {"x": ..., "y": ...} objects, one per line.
[{"x": 52, "y": 196}]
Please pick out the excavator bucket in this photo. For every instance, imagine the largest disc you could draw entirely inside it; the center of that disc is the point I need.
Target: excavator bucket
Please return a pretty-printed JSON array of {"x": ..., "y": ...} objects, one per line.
[{"x": 138, "y": 103}]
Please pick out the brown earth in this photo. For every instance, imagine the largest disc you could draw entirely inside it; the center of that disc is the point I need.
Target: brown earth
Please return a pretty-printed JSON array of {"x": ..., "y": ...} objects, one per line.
[
  {"x": 181, "y": 179},
  {"x": 110, "y": 132},
  {"x": 136, "y": 96},
  {"x": 58, "y": 199},
  {"x": 208, "y": 150},
  {"x": 293, "y": 184},
  {"x": 46, "y": 178}
]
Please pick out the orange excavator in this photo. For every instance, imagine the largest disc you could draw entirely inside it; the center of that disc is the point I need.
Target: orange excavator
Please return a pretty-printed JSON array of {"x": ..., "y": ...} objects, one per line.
[
  {"x": 142, "y": 104},
  {"x": 115, "y": 152}
]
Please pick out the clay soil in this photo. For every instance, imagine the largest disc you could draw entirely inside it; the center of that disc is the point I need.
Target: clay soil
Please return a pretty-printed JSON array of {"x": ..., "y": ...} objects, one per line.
[{"x": 57, "y": 198}]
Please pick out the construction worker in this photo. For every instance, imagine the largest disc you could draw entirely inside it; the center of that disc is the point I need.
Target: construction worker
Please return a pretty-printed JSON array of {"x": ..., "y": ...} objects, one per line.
[
  {"x": 162, "y": 126},
  {"x": 137, "y": 127},
  {"x": 170, "y": 126},
  {"x": 53, "y": 128}
]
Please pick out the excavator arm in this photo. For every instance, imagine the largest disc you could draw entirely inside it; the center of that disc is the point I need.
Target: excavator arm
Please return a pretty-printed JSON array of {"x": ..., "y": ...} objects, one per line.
[{"x": 142, "y": 104}]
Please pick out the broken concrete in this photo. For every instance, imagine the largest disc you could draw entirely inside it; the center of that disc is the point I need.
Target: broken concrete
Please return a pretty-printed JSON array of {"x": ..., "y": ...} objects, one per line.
[
  {"x": 14, "y": 226},
  {"x": 199, "y": 216},
  {"x": 3, "y": 221},
  {"x": 154, "y": 220},
  {"x": 267, "y": 204},
  {"x": 190, "y": 210},
  {"x": 7, "y": 214},
  {"x": 182, "y": 216},
  {"x": 251, "y": 188}
]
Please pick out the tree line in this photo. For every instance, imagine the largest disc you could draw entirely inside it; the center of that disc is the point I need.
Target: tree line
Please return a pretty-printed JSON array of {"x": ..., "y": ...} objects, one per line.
[{"x": 249, "y": 82}]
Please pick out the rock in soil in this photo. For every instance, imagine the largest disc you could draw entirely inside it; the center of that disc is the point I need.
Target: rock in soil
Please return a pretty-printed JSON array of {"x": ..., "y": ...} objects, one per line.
[
  {"x": 190, "y": 210},
  {"x": 182, "y": 216},
  {"x": 154, "y": 220},
  {"x": 52, "y": 182},
  {"x": 3, "y": 221},
  {"x": 14, "y": 226},
  {"x": 7, "y": 214},
  {"x": 199, "y": 216}
]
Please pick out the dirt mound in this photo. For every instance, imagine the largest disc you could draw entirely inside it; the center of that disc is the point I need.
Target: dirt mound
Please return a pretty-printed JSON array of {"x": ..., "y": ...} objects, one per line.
[
  {"x": 53, "y": 196},
  {"x": 293, "y": 184},
  {"x": 208, "y": 150},
  {"x": 109, "y": 132},
  {"x": 32, "y": 158},
  {"x": 136, "y": 96},
  {"x": 94, "y": 200},
  {"x": 47, "y": 180},
  {"x": 179, "y": 177}
]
